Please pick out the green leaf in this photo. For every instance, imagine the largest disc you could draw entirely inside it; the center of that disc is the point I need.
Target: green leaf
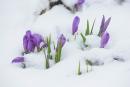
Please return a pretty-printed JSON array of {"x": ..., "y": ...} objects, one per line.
[
  {"x": 87, "y": 30},
  {"x": 49, "y": 46},
  {"x": 58, "y": 53},
  {"x": 54, "y": 45},
  {"x": 92, "y": 27},
  {"x": 88, "y": 62},
  {"x": 83, "y": 37},
  {"x": 44, "y": 51},
  {"x": 56, "y": 57},
  {"x": 79, "y": 71},
  {"x": 47, "y": 63}
]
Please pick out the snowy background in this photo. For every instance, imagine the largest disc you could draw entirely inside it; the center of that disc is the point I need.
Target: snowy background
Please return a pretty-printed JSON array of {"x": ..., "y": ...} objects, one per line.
[{"x": 18, "y": 16}]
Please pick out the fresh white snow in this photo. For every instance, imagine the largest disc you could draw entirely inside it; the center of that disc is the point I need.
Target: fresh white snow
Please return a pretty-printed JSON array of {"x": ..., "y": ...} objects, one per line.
[{"x": 18, "y": 16}]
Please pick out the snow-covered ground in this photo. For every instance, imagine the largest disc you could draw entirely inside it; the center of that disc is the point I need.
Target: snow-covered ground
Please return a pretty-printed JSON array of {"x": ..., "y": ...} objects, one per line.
[{"x": 18, "y": 16}]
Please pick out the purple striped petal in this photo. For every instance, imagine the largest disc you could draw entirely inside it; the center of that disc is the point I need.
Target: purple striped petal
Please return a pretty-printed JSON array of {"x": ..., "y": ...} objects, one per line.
[
  {"x": 75, "y": 25},
  {"x": 18, "y": 60},
  {"x": 104, "y": 39}
]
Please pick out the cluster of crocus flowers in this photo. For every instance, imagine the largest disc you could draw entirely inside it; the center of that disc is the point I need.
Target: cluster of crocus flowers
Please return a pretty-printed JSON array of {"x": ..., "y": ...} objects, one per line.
[
  {"x": 75, "y": 25},
  {"x": 60, "y": 43},
  {"x": 103, "y": 34},
  {"x": 79, "y": 4},
  {"x": 36, "y": 41},
  {"x": 31, "y": 41}
]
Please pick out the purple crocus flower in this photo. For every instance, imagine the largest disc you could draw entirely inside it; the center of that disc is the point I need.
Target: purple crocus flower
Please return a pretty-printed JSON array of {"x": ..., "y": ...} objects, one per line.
[
  {"x": 104, "y": 25},
  {"x": 28, "y": 43},
  {"x": 61, "y": 40},
  {"x": 79, "y": 4},
  {"x": 18, "y": 60},
  {"x": 75, "y": 25},
  {"x": 104, "y": 39},
  {"x": 37, "y": 39}
]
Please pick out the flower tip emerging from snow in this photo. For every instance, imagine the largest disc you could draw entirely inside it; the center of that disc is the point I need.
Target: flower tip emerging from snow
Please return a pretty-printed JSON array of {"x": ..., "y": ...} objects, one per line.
[
  {"x": 104, "y": 25},
  {"x": 60, "y": 43},
  {"x": 79, "y": 4},
  {"x": 18, "y": 60},
  {"x": 61, "y": 40},
  {"x": 104, "y": 39},
  {"x": 75, "y": 25},
  {"x": 28, "y": 33}
]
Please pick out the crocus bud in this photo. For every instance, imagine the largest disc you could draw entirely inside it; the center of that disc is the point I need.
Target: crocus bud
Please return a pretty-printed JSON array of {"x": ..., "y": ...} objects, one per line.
[
  {"x": 79, "y": 4},
  {"x": 60, "y": 43},
  {"x": 75, "y": 25},
  {"x": 104, "y": 39},
  {"x": 61, "y": 40},
  {"x": 104, "y": 25},
  {"x": 28, "y": 44},
  {"x": 18, "y": 60}
]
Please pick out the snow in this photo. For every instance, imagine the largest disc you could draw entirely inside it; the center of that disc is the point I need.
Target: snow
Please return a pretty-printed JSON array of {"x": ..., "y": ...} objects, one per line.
[
  {"x": 19, "y": 16},
  {"x": 93, "y": 41}
]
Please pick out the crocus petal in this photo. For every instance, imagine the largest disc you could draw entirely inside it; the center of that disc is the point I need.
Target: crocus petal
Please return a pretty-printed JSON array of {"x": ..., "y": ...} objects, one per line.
[
  {"x": 26, "y": 39},
  {"x": 18, "y": 60},
  {"x": 80, "y": 2},
  {"x": 61, "y": 40},
  {"x": 37, "y": 39},
  {"x": 106, "y": 24},
  {"x": 31, "y": 46},
  {"x": 25, "y": 43},
  {"x": 102, "y": 24},
  {"x": 104, "y": 39},
  {"x": 75, "y": 24},
  {"x": 28, "y": 34}
]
